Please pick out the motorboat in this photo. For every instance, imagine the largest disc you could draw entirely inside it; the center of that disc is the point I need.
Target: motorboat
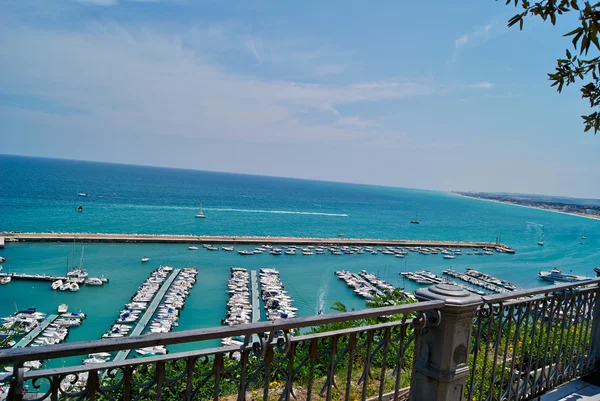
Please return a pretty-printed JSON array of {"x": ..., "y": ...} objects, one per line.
[
  {"x": 193, "y": 248},
  {"x": 246, "y": 252},
  {"x": 73, "y": 287},
  {"x": 449, "y": 257},
  {"x": 557, "y": 275},
  {"x": 2, "y": 260},
  {"x": 211, "y": 248},
  {"x": 145, "y": 259},
  {"x": 57, "y": 284},
  {"x": 83, "y": 194},
  {"x": 276, "y": 251},
  {"x": 290, "y": 251},
  {"x": 63, "y": 308},
  {"x": 227, "y": 248},
  {"x": 94, "y": 281},
  {"x": 5, "y": 280}
]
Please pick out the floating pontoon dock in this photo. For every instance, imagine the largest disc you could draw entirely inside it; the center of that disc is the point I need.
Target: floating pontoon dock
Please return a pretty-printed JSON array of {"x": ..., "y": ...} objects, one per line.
[
  {"x": 25, "y": 341},
  {"x": 145, "y": 319}
]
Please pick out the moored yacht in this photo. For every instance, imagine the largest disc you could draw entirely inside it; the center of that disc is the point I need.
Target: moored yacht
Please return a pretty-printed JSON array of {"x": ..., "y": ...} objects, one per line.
[{"x": 557, "y": 275}]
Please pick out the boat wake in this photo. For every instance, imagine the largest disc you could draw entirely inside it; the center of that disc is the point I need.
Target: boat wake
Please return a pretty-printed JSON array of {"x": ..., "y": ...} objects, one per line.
[
  {"x": 321, "y": 297},
  {"x": 278, "y": 212}
]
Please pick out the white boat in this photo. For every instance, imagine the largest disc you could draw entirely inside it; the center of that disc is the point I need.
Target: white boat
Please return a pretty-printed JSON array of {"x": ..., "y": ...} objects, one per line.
[
  {"x": 94, "y": 281},
  {"x": 57, "y": 284},
  {"x": 557, "y": 275},
  {"x": 200, "y": 214},
  {"x": 5, "y": 280},
  {"x": 246, "y": 252},
  {"x": 227, "y": 248},
  {"x": 449, "y": 257},
  {"x": 73, "y": 287},
  {"x": 63, "y": 308},
  {"x": 83, "y": 194},
  {"x": 193, "y": 248},
  {"x": 145, "y": 259},
  {"x": 2, "y": 260},
  {"x": 290, "y": 251}
]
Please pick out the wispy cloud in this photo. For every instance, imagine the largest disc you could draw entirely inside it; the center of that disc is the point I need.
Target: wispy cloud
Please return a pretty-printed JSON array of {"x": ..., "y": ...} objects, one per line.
[
  {"x": 252, "y": 46},
  {"x": 483, "y": 85},
  {"x": 353, "y": 121},
  {"x": 480, "y": 33}
]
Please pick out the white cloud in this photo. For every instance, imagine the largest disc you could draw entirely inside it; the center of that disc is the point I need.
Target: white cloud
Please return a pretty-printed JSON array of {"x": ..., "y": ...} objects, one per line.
[
  {"x": 461, "y": 41},
  {"x": 483, "y": 85},
  {"x": 353, "y": 121},
  {"x": 138, "y": 82},
  {"x": 251, "y": 46}
]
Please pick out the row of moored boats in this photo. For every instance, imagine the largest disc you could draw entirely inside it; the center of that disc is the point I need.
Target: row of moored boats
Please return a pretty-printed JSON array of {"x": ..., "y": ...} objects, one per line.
[
  {"x": 277, "y": 303},
  {"x": 25, "y": 321},
  {"x": 400, "y": 252}
]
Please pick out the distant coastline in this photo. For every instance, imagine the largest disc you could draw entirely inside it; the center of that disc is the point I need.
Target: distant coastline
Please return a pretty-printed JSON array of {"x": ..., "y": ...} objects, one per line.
[{"x": 589, "y": 212}]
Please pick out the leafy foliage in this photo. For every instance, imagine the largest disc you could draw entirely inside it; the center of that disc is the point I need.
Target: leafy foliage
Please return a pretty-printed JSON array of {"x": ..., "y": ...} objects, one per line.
[{"x": 575, "y": 66}]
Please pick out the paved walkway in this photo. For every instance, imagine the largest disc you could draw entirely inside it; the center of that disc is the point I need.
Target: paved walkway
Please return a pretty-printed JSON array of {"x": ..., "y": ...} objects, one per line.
[{"x": 577, "y": 390}]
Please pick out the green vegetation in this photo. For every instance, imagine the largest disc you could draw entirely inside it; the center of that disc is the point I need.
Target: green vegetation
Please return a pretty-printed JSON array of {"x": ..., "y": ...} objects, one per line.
[{"x": 577, "y": 66}]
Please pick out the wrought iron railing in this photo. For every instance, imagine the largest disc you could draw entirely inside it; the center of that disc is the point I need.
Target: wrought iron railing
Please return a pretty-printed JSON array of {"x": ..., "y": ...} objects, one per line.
[
  {"x": 453, "y": 346},
  {"x": 354, "y": 355},
  {"x": 529, "y": 342}
]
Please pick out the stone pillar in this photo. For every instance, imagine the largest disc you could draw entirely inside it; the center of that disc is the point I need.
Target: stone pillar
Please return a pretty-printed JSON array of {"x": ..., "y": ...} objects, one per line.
[{"x": 441, "y": 352}]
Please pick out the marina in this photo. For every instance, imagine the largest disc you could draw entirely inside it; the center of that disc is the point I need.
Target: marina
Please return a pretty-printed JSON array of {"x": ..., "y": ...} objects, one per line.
[
  {"x": 277, "y": 303},
  {"x": 245, "y": 240},
  {"x": 150, "y": 310},
  {"x": 478, "y": 282},
  {"x": 29, "y": 337},
  {"x": 425, "y": 277},
  {"x": 360, "y": 286}
]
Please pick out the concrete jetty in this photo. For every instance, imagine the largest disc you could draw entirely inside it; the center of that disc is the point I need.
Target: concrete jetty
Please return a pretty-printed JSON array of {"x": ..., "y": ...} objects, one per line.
[
  {"x": 40, "y": 277},
  {"x": 29, "y": 337},
  {"x": 145, "y": 319},
  {"x": 255, "y": 299},
  {"x": 243, "y": 240}
]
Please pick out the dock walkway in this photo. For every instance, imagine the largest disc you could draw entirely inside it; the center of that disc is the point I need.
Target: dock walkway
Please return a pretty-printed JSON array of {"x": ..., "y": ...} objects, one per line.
[
  {"x": 40, "y": 277},
  {"x": 255, "y": 299},
  {"x": 145, "y": 319},
  {"x": 25, "y": 341},
  {"x": 240, "y": 240}
]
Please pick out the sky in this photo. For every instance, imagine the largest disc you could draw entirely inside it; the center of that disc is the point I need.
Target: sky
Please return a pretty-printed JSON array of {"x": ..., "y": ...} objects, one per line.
[{"x": 438, "y": 96}]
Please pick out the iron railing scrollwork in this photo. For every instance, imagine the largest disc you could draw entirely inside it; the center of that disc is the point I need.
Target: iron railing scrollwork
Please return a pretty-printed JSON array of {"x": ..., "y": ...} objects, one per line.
[
  {"x": 363, "y": 360},
  {"x": 528, "y": 344}
]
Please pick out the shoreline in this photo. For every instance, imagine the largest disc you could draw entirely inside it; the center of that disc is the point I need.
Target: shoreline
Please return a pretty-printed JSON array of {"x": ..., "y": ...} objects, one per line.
[
  {"x": 585, "y": 216},
  {"x": 248, "y": 240}
]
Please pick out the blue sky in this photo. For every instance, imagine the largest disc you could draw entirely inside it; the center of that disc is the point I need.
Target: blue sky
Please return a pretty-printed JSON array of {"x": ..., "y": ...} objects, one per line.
[{"x": 441, "y": 96}]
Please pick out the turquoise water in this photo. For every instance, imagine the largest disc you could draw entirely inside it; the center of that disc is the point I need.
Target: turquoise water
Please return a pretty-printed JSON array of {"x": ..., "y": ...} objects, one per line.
[{"x": 41, "y": 195}]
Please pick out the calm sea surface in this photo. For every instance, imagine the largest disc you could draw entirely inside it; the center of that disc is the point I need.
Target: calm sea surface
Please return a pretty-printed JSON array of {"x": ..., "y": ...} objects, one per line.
[{"x": 41, "y": 195}]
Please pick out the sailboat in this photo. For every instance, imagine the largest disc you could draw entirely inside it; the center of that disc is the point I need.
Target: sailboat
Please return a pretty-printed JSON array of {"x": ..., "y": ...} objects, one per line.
[
  {"x": 416, "y": 220},
  {"x": 200, "y": 214}
]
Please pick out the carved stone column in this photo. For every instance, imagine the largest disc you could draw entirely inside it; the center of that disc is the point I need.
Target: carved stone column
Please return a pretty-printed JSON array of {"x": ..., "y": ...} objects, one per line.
[{"x": 441, "y": 351}]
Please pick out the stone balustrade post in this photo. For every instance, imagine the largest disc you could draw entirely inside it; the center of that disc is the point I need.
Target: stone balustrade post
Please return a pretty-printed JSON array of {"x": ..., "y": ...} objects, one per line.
[{"x": 441, "y": 352}]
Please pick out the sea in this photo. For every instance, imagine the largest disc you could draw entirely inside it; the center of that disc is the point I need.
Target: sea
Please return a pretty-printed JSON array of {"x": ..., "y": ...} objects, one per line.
[{"x": 41, "y": 195}]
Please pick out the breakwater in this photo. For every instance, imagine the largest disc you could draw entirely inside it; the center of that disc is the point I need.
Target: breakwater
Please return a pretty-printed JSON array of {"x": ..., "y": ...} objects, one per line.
[{"x": 216, "y": 239}]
